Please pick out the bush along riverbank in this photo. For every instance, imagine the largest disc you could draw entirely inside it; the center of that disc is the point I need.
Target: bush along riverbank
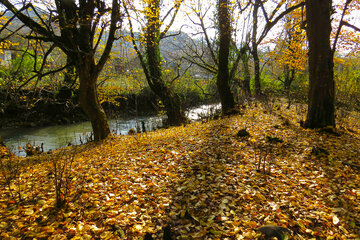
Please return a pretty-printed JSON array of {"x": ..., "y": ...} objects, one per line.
[{"x": 45, "y": 107}]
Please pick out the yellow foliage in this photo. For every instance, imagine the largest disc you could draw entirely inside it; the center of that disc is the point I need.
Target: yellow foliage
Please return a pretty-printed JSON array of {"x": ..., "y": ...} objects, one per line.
[
  {"x": 109, "y": 94},
  {"x": 291, "y": 46}
]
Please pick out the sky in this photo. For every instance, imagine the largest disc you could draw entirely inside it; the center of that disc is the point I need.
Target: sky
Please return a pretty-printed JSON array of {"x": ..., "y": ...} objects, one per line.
[{"x": 190, "y": 8}]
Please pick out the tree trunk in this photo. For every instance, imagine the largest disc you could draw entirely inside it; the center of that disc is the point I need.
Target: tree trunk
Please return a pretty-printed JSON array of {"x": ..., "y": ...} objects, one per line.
[
  {"x": 90, "y": 104},
  {"x": 321, "y": 109},
  {"x": 254, "y": 51},
  {"x": 223, "y": 76},
  {"x": 288, "y": 78},
  {"x": 256, "y": 71},
  {"x": 171, "y": 101},
  {"x": 75, "y": 37},
  {"x": 69, "y": 74},
  {"x": 246, "y": 75},
  {"x": 173, "y": 109}
]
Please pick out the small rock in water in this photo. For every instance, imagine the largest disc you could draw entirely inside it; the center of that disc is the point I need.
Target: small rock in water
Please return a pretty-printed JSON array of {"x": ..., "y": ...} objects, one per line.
[{"x": 131, "y": 131}]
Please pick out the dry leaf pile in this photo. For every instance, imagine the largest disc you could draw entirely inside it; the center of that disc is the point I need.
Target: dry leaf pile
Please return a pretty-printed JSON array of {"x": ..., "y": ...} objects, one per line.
[{"x": 201, "y": 179}]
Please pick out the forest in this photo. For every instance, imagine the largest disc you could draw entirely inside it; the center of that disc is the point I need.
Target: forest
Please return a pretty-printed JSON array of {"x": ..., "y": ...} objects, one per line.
[{"x": 279, "y": 158}]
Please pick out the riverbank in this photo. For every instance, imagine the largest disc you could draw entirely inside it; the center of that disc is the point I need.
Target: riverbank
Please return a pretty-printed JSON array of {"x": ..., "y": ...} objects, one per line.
[
  {"x": 202, "y": 179},
  {"x": 53, "y": 137},
  {"x": 49, "y": 109},
  {"x": 41, "y": 107}
]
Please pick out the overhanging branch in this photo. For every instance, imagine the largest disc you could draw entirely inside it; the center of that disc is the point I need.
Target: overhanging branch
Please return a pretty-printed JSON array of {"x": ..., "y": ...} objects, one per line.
[{"x": 351, "y": 26}]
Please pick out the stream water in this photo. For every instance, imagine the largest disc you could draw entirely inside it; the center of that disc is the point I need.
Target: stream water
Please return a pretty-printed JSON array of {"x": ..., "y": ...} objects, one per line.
[{"x": 58, "y": 136}]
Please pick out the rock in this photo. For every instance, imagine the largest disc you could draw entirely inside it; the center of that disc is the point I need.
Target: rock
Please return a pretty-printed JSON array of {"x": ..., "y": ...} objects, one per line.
[
  {"x": 65, "y": 93},
  {"x": 274, "y": 139},
  {"x": 270, "y": 231},
  {"x": 318, "y": 151},
  {"x": 167, "y": 233},
  {"x": 302, "y": 123},
  {"x": 286, "y": 122},
  {"x": 65, "y": 120},
  {"x": 131, "y": 131},
  {"x": 2, "y": 142},
  {"x": 148, "y": 237},
  {"x": 243, "y": 133},
  {"x": 32, "y": 150},
  {"x": 330, "y": 130}
]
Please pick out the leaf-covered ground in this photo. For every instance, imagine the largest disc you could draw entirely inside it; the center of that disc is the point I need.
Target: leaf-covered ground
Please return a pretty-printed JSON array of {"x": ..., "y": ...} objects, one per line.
[{"x": 201, "y": 179}]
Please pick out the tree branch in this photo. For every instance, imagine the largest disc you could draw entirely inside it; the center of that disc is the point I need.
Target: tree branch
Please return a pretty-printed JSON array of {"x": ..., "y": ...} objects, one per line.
[
  {"x": 177, "y": 7},
  {"x": 115, "y": 18},
  {"x": 137, "y": 50},
  {"x": 36, "y": 27},
  {"x": 203, "y": 28},
  {"x": 264, "y": 12},
  {"x": 207, "y": 68},
  {"x": 351, "y": 26},
  {"x": 341, "y": 23},
  {"x": 241, "y": 52},
  {"x": 271, "y": 23},
  {"x": 203, "y": 63}
]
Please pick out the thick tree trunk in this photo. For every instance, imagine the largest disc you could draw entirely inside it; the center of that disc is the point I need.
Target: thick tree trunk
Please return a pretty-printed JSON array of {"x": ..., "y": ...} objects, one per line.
[
  {"x": 171, "y": 101},
  {"x": 90, "y": 104},
  {"x": 75, "y": 37},
  {"x": 321, "y": 109},
  {"x": 223, "y": 76},
  {"x": 173, "y": 109}
]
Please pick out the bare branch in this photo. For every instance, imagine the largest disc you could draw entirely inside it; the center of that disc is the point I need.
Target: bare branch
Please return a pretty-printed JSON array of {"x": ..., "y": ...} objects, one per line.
[
  {"x": 99, "y": 38},
  {"x": 173, "y": 35},
  {"x": 11, "y": 33},
  {"x": 264, "y": 12},
  {"x": 137, "y": 50},
  {"x": 207, "y": 68},
  {"x": 351, "y": 26},
  {"x": 36, "y": 27},
  {"x": 340, "y": 25},
  {"x": 243, "y": 9},
  {"x": 40, "y": 18},
  {"x": 38, "y": 73},
  {"x": 115, "y": 19},
  {"x": 202, "y": 90},
  {"x": 200, "y": 57},
  {"x": 204, "y": 30},
  {"x": 272, "y": 23}
]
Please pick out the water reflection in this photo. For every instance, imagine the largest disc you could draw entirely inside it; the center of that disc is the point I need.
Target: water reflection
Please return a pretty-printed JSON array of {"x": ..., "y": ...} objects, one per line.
[{"x": 59, "y": 136}]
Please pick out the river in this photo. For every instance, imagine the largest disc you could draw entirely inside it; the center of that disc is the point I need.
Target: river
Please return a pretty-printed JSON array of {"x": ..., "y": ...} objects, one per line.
[{"x": 53, "y": 137}]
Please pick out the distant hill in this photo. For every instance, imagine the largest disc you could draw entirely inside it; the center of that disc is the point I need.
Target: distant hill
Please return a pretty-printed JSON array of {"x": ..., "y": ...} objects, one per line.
[{"x": 170, "y": 47}]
